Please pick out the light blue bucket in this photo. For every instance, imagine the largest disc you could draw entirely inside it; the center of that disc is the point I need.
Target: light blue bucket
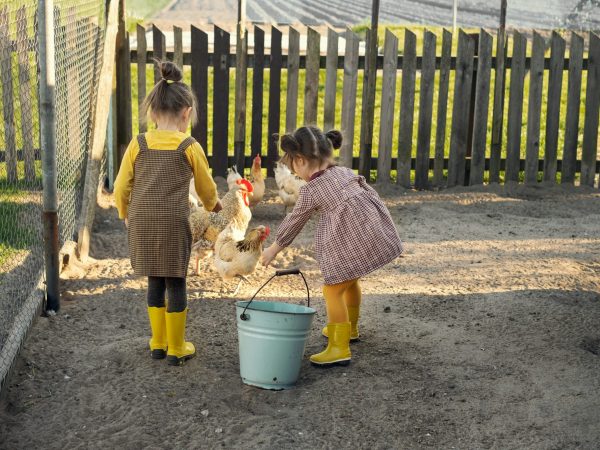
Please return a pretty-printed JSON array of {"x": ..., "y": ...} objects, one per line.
[{"x": 272, "y": 337}]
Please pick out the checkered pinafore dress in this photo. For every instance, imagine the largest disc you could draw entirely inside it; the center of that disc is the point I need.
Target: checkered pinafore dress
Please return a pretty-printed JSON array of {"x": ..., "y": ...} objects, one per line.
[{"x": 159, "y": 233}]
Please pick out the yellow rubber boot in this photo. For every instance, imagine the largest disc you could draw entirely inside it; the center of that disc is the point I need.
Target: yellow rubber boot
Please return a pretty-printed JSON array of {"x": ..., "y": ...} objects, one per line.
[
  {"x": 338, "y": 347},
  {"x": 353, "y": 315},
  {"x": 178, "y": 350},
  {"x": 158, "y": 342}
]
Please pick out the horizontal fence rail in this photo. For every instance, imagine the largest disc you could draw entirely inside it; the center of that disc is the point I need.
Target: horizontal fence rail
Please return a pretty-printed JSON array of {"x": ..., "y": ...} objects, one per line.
[{"x": 446, "y": 114}]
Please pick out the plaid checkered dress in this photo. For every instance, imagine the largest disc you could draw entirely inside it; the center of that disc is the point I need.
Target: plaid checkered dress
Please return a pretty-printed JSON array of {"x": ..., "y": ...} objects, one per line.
[
  {"x": 355, "y": 234},
  {"x": 159, "y": 233}
]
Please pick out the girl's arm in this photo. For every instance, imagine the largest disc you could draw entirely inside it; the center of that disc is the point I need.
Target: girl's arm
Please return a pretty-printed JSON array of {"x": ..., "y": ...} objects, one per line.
[
  {"x": 124, "y": 180},
  {"x": 203, "y": 181},
  {"x": 291, "y": 225}
]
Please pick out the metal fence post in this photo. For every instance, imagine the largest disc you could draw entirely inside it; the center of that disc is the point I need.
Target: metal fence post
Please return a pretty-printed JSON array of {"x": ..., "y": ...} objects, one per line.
[{"x": 48, "y": 146}]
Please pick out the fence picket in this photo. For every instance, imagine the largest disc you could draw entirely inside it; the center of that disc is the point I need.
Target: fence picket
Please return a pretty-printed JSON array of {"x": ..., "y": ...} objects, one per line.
[
  {"x": 25, "y": 95},
  {"x": 569, "y": 158},
  {"x": 482, "y": 100},
  {"x": 592, "y": 103},
  {"x": 349, "y": 97},
  {"x": 498, "y": 110},
  {"x": 440, "y": 132},
  {"x": 220, "y": 103},
  {"x": 159, "y": 50},
  {"x": 141, "y": 74},
  {"x": 274, "y": 100},
  {"x": 311, "y": 87},
  {"x": 388, "y": 96},
  {"x": 257, "y": 91},
  {"x": 178, "y": 47},
  {"x": 515, "y": 108},
  {"x": 461, "y": 108},
  {"x": 330, "y": 80},
  {"x": 407, "y": 108},
  {"x": 7, "y": 98},
  {"x": 536, "y": 81},
  {"x": 293, "y": 67},
  {"x": 199, "y": 53},
  {"x": 425, "y": 111},
  {"x": 557, "y": 60}
]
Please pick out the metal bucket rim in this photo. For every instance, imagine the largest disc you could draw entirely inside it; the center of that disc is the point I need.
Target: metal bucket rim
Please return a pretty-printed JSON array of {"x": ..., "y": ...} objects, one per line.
[{"x": 244, "y": 304}]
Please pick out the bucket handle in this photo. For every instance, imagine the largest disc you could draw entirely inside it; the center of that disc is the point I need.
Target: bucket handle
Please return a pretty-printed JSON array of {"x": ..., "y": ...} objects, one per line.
[{"x": 279, "y": 273}]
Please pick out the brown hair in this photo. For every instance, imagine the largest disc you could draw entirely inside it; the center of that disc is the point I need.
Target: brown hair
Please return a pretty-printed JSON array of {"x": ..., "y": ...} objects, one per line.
[
  {"x": 311, "y": 143},
  {"x": 170, "y": 95}
]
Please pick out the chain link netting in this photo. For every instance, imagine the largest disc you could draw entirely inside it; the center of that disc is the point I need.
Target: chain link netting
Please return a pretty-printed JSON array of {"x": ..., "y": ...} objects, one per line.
[{"x": 78, "y": 39}]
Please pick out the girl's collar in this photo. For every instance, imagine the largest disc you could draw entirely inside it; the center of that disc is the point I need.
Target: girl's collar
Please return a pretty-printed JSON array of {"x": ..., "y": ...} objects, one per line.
[{"x": 320, "y": 172}]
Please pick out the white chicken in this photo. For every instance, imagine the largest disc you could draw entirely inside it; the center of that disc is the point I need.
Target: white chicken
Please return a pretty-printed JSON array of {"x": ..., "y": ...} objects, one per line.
[
  {"x": 232, "y": 177},
  {"x": 193, "y": 196},
  {"x": 288, "y": 184},
  {"x": 236, "y": 258}
]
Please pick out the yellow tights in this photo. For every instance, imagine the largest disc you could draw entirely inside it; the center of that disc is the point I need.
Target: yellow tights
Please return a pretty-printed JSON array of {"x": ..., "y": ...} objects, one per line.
[{"x": 338, "y": 297}]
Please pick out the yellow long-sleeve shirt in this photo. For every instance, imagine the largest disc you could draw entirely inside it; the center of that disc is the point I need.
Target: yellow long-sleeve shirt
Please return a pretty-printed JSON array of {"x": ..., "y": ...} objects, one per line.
[{"x": 165, "y": 140}]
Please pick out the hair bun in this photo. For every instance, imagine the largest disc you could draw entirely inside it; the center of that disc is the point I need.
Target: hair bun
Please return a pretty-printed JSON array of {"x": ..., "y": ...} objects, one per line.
[
  {"x": 335, "y": 137},
  {"x": 289, "y": 143},
  {"x": 169, "y": 71}
]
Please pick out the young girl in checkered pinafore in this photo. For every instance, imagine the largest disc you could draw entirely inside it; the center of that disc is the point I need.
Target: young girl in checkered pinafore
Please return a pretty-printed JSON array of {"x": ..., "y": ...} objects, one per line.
[
  {"x": 152, "y": 195},
  {"x": 355, "y": 234}
]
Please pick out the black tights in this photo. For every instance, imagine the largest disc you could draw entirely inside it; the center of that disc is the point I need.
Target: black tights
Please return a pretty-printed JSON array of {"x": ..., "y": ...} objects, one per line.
[{"x": 175, "y": 287}]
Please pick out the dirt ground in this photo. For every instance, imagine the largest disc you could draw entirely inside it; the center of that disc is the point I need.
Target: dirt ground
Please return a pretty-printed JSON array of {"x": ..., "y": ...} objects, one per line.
[{"x": 484, "y": 335}]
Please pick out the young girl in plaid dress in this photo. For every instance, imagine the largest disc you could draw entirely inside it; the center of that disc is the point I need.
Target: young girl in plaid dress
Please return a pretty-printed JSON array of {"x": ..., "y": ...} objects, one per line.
[
  {"x": 152, "y": 195},
  {"x": 355, "y": 234}
]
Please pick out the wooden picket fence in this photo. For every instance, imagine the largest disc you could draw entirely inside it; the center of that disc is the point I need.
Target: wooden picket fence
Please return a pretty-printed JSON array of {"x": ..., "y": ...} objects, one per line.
[{"x": 472, "y": 155}]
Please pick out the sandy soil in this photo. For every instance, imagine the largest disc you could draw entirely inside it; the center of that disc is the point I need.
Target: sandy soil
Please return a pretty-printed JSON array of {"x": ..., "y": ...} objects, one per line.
[{"x": 485, "y": 335}]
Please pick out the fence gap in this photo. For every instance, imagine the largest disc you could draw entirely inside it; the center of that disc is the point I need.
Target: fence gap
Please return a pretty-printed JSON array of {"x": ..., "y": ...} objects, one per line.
[
  {"x": 274, "y": 100},
  {"x": 257, "y": 91},
  {"x": 199, "y": 58}
]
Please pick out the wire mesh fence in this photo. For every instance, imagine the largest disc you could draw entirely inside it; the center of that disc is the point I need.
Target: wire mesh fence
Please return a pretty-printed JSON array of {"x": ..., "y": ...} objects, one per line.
[{"x": 78, "y": 39}]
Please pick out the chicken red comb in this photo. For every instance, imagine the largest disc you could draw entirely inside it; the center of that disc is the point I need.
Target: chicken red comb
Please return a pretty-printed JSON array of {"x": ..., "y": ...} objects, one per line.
[
  {"x": 257, "y": 158},
  {"x": 246, "y": 183},
  {"x": 267, "y": 230}
]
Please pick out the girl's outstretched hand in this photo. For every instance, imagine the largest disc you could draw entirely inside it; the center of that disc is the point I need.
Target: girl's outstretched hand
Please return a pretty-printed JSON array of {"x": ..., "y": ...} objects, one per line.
[
  {"x": 269, "y": 254},
  {"x": 126, "y": 223}
]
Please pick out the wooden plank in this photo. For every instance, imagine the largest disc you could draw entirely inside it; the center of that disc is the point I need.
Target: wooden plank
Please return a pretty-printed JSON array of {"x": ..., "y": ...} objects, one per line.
[
  {"x": 557, "y": 58},
  {"x": 124, "y": 114},
  {"x": 482, "y": 101},
  {"x": 159, "y": 49},
  {"x": 274, "y": 101},
  {"x": 440, "y": 132},
  {"x": 220, "y": 103},
  {"x": 293, "y": 66},
  {"x": 311, "y": 87},
  {"x": 241, "y": 84},
  {"x": 257, "y": 91},
  {"x": 536, "y": 81},
  {"x": 177, "y": 47},
  {"x": 498, "y": 111},
  {"x": 515, "y": 108},
  {"x": 10, "y": 140},
  {"x": 592, "y": 103},
  {"x": 425, "y": 111},
  {"x": 98, "y": 138},
  {"x": 368, "y": 104},
  {"x": 573, "y": 107},
  {"x": 27, "y": 118},
  {"x": 349, "y": 97},
  {"x": 331, "y": 79},
  {"x": 388, "y": 99},
  {"x": 460, "y": 110},
  {"x": 141, "y": 75},
  {"x": 407, "y": 108},
  {"x": 199, "y": 51}
]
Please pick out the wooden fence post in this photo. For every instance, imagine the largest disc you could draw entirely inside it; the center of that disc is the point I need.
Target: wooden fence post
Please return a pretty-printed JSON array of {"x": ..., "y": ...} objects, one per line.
[
  {"x": 349, "y": 97},
  {"x": 159, "y": 50},
  {"x": 440, "y": 132},
  {"x": 498, "y": 111},
  {"x": 536, "y": 81},
  {"x": 274, "y": 100},
  {"x": 515, "y": 108},
  {"x": 293, "y": 67},
  {"x": 425, "y": 111},
  {"x": 331, "y": 80},
  {"x": 592, "y": 103},
  {"x": 388, "y": 97},
  {"x": 199, "y": 53},
  {"x": 557, "y": 62},
  {"x": 407, "y": 108},
  {"x": 569, "y": 158},
  {"x": 142, "y": 49},
  {"x": 480, "y": 116},
  {"x": 220, "y": 103},
  {"x": 241, "y": 83},
  {"x": 257, "y": 91},
  {"x": 460, "y": 111},
  {"x": 311, "y": 87},
  {"x": 178, "y": 47}
]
